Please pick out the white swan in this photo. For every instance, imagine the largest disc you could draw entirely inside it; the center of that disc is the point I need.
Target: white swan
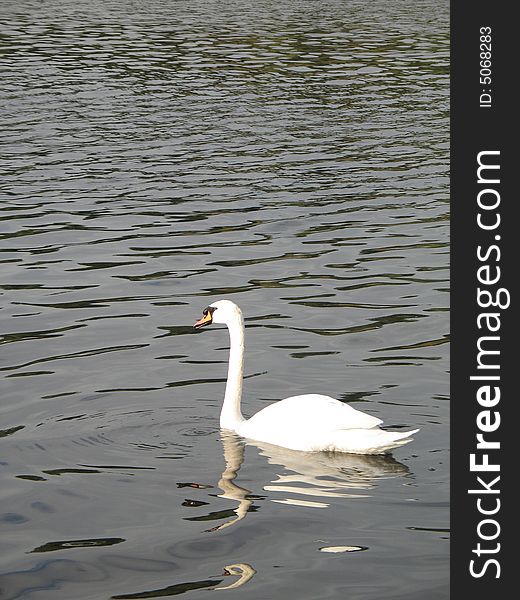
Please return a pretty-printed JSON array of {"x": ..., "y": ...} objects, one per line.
[{"x": 310, "y": 422}]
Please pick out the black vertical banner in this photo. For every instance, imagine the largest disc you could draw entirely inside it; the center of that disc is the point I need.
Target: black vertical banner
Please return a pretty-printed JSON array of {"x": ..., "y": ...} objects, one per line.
[{"x": 484, "y": 243}]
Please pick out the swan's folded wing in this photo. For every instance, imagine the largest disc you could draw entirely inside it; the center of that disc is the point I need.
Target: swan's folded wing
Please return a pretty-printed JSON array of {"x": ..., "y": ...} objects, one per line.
[{"x": 312, "y": 412}]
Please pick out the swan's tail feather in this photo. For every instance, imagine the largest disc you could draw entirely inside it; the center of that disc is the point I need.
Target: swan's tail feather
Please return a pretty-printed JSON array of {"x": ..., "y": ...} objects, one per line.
[{"x": 370, "y": 441}]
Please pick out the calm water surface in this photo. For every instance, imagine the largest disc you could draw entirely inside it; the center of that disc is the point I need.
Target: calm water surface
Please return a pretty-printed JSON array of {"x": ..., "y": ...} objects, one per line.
[{"x": 291, "y": 156}]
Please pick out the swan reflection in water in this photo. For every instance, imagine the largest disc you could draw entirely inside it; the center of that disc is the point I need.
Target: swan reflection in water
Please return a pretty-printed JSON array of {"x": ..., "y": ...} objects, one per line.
[
  {"x": 244, "y": 572},
  {"x": 312, "y": 475}
]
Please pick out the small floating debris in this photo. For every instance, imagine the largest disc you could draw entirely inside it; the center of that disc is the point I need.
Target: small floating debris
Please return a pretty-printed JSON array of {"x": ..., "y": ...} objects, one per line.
[
  {"x": 197, "y": 486},
  {"x": 194, "y": 503},
  {"x": 337, "y": 549}
]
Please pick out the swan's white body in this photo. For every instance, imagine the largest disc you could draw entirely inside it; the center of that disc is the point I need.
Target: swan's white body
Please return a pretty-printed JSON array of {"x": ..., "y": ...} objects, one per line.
[{"x": 311, "y": 422}]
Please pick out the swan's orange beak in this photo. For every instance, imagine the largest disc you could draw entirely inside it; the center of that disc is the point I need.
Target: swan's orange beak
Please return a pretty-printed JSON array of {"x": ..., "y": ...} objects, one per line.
[{"x": 206, "y": 319}]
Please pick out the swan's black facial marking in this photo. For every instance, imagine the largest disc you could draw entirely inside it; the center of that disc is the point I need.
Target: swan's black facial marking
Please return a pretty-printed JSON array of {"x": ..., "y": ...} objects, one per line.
[{"x": 207, "y": 317}]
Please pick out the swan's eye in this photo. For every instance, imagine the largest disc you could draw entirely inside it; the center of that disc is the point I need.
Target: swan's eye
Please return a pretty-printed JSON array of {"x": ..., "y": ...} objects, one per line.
[{"x": 207, "y": 315}]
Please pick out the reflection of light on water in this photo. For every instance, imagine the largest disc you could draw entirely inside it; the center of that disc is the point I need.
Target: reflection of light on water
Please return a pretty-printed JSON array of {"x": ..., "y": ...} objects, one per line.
[
  {"x": 234, "y": 457},
  {"x": 306, "y": 503},
  {"x": 327, "y": 475},
  {"x": 339, "y": 549},
  {"x": 308, "y": 491},
  {"x": 316, "y": 475}
]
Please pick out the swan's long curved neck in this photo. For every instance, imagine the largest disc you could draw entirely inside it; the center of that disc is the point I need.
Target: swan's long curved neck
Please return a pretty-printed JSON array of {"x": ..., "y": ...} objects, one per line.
[{"x": 231, "y": 416}]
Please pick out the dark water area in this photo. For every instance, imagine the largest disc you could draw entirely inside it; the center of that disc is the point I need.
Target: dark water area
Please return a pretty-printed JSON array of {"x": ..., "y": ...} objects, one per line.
[{"x": 291, "y": 156}]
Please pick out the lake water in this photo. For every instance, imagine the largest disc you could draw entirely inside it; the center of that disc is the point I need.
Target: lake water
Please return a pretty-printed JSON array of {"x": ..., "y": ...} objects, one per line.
[{"x": 156, "y": 156}]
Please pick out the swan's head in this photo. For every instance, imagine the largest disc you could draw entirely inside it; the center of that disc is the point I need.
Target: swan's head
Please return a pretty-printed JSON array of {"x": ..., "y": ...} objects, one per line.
[{"x": 222, "y": 311}]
